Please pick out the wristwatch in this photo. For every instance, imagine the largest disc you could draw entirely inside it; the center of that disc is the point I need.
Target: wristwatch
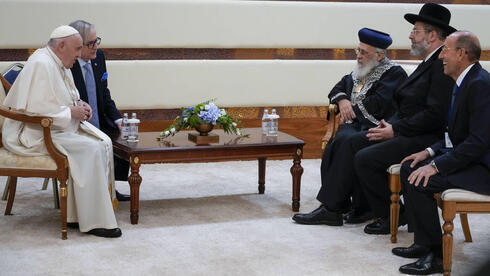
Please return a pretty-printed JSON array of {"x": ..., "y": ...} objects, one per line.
[{"x": 433, "y": 164}]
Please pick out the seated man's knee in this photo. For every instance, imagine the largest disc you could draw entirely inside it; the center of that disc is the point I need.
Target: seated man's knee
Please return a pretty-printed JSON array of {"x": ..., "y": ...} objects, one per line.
[{"x": 362, "y": 159}]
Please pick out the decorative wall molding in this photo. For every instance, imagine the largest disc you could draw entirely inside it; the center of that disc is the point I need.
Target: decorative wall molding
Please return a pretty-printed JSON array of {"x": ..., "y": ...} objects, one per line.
[{"x": 224, "y": 54}]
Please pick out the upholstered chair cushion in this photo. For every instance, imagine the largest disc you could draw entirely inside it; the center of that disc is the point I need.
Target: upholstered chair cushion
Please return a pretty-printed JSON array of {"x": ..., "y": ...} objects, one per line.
[
  {"x": 394, "y": 169},
  {"x": 11, "y": 160},
  {"x": 463, "y": 195}
]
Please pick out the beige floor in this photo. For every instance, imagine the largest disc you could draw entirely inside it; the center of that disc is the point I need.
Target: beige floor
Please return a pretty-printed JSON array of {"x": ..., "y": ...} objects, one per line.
[{"x": 207, "y": 219}]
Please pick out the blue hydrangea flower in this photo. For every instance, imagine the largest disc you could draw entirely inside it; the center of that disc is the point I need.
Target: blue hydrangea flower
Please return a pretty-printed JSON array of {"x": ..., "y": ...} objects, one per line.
[{"x": 211, "y": 114}]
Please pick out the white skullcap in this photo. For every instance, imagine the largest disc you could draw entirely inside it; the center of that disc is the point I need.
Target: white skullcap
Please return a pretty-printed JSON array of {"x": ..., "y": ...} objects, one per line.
[{"x": 63, "y": 31}]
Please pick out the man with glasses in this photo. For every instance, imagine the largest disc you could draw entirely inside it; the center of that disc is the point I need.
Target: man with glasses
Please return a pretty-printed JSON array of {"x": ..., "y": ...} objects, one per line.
[
  {"x": 90, "y": 75},
  {"x": 364, "y": 97},
  {"x": 422, "y": 103},
  {"x": 460, "y": 160}
]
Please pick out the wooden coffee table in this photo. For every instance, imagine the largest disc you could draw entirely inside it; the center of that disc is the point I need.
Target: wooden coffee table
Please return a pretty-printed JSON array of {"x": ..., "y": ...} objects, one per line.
[{"x": 230, "y": 147}]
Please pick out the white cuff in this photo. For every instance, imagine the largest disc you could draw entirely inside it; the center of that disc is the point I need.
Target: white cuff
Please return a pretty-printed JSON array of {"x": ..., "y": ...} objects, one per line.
[{"x": 431, "y": 152}]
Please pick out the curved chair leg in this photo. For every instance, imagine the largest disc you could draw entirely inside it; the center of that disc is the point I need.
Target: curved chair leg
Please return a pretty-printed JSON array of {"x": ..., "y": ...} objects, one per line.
[
  {"x": 448, "y": 214},
  {"x": 45, "y": 183},
  {"x": 12, "y": 188},
  {"x": 466, "y": 227},
  {"x": 395, "y": 187},
  {"x": 6, "y": 189},
  {"x": 56, "y": 197}
]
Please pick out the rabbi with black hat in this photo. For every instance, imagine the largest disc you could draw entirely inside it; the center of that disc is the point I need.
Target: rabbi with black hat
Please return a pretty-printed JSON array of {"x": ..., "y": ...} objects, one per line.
[
  {"x": 364, "y": 98},
  {"x": 422, "y": 103}
]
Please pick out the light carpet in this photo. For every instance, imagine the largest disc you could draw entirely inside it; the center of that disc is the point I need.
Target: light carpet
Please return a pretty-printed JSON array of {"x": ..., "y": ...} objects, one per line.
[{"x": 208, "y": 219}]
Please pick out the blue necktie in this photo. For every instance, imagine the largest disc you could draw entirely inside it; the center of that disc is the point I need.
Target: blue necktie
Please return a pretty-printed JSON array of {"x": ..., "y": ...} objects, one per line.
[
  {"x": 455, "y": 92},
  {"x": 91, "y": 93}
]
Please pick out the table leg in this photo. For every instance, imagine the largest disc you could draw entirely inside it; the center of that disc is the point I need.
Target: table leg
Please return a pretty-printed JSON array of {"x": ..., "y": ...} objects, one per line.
[
  {"x": 296, "y": 172},
  {"x": 262, "y": 174},
  {"x": 134, "y": 183}
]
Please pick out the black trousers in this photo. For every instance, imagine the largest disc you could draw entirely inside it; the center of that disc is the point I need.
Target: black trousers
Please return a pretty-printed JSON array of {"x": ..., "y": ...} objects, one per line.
[
  {"x": 372, "y": 161},
  {"x": 422, "y": 207},
  {"x": 339, "y": 181},
  {"x": 121, "y": 169}
]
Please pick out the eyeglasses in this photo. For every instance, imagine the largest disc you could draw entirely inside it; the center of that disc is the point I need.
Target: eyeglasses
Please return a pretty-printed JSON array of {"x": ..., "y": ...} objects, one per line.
[
  {"x": 361, "y": 52},
  {"x": 415, "y": 31},
  {"x": 91, "y": 44}
]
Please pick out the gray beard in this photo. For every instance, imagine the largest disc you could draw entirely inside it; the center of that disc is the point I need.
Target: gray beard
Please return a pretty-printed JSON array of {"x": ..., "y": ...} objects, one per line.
[
  {"x": 363, "y": 71},
  {"x": 420, "y": 50}
]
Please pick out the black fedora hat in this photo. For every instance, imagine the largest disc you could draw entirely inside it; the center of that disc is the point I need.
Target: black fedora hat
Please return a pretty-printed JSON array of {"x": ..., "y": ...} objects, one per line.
[{"x": 433, "y": 14}]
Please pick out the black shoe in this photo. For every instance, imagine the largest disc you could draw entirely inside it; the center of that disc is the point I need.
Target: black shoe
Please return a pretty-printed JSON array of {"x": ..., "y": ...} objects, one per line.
[
  {"x": 428, "y": 264},
  {"x": 122, "y": 197},
  {"x": 358, "y": 216},
  {"x": 381, "y": 226},
  {"x": 413, "y": 251},
  {"x": 73, "y": 225},
  {"x": 106, "y": 233},
  {"x": 320, "y": 216}
]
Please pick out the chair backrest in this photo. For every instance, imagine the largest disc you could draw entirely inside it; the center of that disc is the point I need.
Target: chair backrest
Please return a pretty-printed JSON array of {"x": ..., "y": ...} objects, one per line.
[{"x": 11, "y": 74}]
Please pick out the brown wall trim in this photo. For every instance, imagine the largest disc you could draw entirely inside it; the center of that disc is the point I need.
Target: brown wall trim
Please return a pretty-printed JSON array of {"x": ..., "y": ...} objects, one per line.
[
  {"x": 251, "y": 113},
  {"x": 223, "y": 54}
]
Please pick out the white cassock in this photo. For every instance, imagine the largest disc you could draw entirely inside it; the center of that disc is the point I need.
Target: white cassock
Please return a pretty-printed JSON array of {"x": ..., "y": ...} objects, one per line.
[{"x": 46, "y": 87}]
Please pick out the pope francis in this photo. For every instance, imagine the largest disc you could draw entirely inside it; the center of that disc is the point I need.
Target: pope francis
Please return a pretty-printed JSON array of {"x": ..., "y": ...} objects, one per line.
[{"x": 45, "y": 86}]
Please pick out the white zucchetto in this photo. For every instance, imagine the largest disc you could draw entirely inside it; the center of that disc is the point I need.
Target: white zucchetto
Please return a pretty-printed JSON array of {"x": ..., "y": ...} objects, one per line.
[{"x": 63, "y": 31}]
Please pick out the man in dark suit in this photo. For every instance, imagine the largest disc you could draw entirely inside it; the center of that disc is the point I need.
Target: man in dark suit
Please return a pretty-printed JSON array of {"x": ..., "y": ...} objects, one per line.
[
  {"x": 460, "y": 160},
  {"x": 422, "y": 102},
  {"x": 90, "y": 75},
  {"x": 364, "y": 97}
]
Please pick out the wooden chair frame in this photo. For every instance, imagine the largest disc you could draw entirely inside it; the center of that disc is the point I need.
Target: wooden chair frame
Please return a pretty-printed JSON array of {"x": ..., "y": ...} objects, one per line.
[
  {"x": 332, "y": 124},
  {"x": 6, "y": 85},
  {"x": 61, "y": 172},
  {"x": 449, "y": 210}
]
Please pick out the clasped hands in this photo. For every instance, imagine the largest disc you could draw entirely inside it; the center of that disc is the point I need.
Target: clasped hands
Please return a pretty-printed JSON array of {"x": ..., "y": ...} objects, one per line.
[
  {"x": 82, "y": 111},
  {"x": 383, "y": 131}
]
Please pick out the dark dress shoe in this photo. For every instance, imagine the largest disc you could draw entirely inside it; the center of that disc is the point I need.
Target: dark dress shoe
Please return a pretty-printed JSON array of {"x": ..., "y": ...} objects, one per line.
[
  {"x": 72, "y": 225},
  {"x": 122, "y": 197},
  {"x": 358, "y": 216},
  {"x": 381, "y": 226},
  {"x": 428, "y": 264},
  {"x": 106, "y": 233},
  {"x": 320, "y": 216},
  {"x": 413, "y": 251}
]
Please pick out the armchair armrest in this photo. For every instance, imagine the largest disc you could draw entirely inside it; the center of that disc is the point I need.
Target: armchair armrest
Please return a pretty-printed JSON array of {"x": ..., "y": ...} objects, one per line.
[
  {"x": 332, "y": 124},
  {"x": 5, "y": 83},
  {"x": 45, "y": 122}
]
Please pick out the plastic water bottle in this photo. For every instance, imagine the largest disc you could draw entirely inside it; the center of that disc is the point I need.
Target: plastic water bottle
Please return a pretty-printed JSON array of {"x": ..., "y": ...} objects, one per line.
[
  {"x": 133, "y": 128},
  {"x": 274, "y": 123},
  {"x": 125, "y": 127},
  {"x": 265, "y": 122}
]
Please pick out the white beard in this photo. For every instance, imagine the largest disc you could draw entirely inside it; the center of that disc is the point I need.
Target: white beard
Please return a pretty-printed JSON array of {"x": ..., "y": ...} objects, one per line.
[
  {"x": 420, "y": 50},
  {"x": 362, "y": 71}
]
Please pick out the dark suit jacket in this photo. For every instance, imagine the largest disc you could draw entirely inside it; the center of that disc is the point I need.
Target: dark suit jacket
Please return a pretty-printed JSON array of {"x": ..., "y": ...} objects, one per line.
[
  {"x": 467, "y": 164},
  {"x": 378, "y": 101},
  {"x": 423, "y": 100},
  {"x": 107, "y": 109}
]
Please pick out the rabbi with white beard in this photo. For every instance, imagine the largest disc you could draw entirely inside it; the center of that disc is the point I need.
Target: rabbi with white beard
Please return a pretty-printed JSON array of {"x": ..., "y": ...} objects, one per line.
[{"x": 364, "y": 98}]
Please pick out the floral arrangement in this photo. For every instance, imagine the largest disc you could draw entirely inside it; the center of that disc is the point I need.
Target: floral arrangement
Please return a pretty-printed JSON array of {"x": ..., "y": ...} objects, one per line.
[{"x": 202, "y": 114}]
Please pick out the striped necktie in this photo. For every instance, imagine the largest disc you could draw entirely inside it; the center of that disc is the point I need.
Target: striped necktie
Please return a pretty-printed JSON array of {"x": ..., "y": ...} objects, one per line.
[{"x": 91, "y": 93}]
